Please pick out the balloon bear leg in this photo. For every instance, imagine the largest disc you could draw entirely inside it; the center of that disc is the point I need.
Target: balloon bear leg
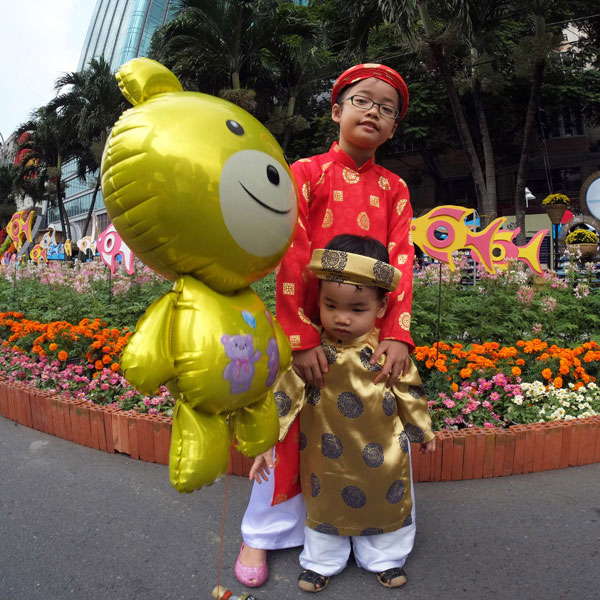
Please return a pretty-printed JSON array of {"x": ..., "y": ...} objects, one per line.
[
  {"x": 199, "y": 448},
  {"x": 257, "y": 426}
]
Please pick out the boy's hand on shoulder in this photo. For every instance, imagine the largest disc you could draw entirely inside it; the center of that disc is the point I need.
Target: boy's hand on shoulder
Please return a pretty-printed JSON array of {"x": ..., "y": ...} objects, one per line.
[
  {"x": 310, "y": 365},
  {"x": 261, "y": 467},
  {"x": 397, "y": 361},
  {"x": 428, "y": 447}
]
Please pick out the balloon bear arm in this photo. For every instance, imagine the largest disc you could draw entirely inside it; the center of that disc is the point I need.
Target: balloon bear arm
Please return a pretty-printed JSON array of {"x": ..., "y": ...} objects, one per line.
[
  {"x": 147, "y": 361},
  {"x": 199, "y": 448},
  {"x": 285, "y": 350},
  {"x": 257, "y": 426}
]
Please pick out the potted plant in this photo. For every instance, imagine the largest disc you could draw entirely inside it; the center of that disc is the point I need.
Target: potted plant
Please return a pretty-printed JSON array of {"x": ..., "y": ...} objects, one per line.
[
  {"x": 583, "y": 240},
  {"x": 555, "y": 205}
]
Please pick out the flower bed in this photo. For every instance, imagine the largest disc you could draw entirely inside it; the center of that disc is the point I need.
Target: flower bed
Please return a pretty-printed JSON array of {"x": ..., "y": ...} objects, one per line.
[
  {"x": 472, "y": 453},
  {"x": 488, "y": 385},
  {"x": 44, "y": 355}
]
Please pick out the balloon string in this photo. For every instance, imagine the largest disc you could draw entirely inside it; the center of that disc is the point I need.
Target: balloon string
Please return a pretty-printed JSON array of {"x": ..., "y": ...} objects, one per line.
[{"x": 223, "y": 529}]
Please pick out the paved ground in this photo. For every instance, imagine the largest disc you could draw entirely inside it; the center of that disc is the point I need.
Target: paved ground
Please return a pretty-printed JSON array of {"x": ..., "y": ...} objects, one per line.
[{"x": 81, "y": 524}]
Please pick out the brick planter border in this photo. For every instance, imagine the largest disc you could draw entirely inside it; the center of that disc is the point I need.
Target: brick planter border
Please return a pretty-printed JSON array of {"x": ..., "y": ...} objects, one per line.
[{"x": 464, "y": 454}]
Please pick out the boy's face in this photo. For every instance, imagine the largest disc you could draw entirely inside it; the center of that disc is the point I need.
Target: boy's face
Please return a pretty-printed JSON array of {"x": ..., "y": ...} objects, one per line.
[
  {"x": 348, "y": 311},
  {"x": 365, "y": 130}
]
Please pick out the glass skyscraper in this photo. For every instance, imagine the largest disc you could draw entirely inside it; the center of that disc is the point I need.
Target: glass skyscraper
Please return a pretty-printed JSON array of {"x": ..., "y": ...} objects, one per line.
[{"x": 119, "y": 30}]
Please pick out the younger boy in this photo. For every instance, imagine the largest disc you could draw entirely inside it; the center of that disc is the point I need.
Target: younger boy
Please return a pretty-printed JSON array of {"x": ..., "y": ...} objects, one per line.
[{"x": 355, "y": 435}]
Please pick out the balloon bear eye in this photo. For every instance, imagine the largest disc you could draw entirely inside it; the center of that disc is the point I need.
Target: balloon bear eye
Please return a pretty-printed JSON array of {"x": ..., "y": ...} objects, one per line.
[
  {"x": 273, "y": 175},
  {"x": 235, "y": 127}
]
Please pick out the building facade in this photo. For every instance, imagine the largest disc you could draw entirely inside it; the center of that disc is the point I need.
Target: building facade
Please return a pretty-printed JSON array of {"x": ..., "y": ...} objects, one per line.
[{"x": 119, "y": 31}]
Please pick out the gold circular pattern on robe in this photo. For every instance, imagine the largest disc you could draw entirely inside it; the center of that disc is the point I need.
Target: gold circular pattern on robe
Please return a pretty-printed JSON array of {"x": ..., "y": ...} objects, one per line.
[
  {"x": 404, "y": 321},
  {"x": 384, "y": 184},
  {"x": 363, "y": 221},
  {"x": 401, "y": 205},
  {"x": 402, "y": 258},
  {"x": 350, "y": 175},
  {"x": 283, "y": 403},
  {"x": 306, "y": 191},
  {"x": 328, "y": 218},
  {"x": 303, "y": 316}
]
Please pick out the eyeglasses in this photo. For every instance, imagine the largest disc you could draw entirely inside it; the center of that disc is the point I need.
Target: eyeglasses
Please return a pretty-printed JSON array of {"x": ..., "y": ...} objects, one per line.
[{"x": 385, "y": 110}]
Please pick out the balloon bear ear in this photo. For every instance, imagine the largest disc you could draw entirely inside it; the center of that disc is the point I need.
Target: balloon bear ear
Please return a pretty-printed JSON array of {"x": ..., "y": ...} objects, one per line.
[{"x": 141, "y": 78}]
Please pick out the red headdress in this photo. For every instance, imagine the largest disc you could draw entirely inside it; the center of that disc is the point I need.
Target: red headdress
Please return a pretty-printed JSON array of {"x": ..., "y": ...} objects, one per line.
[{"x": 359, "y": 72}]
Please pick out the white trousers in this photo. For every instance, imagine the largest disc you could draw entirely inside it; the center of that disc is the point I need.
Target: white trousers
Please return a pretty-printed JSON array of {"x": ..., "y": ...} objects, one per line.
[
  {"x": 273, "y": 527},
  {"x": 282, "y": 526}
]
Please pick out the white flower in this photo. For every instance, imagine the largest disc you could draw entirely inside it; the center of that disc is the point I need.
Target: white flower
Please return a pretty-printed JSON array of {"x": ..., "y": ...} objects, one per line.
[{"x": 518, "y": 399}]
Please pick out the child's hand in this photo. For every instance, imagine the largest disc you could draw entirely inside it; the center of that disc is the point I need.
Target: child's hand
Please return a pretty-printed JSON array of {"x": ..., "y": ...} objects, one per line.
[
  {"x": 428, "y": 447},
  {"x": 261, "y": 466},
  {"x": 310, "y": 365},
  {"x": 397, "y": 361}
]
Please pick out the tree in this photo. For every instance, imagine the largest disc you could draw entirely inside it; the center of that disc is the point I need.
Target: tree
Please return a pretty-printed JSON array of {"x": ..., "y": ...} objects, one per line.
[
  {"x": 91, "y": 102},
  {"x": 215, "y": 43},
  {"x": 50, "y": 143}
]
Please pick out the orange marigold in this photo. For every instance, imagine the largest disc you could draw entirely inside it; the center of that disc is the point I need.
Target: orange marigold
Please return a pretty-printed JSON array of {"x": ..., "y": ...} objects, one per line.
[
  {"x": 52, "y": 347},
  {"x": 520, "y": 362},
  {"x": 115, "y": 367},
  {"x": 106, "y": 359},
  {"x": 516, "y": 371},
  {"x": 558, "y": 382},
  {"x": 62, "y": 355},
  {"x": 546, "y": 373},
  {"x": 454, "y": 387},
  {"x": 465, "y": 373},
  {"x": 99, "y": 365}
]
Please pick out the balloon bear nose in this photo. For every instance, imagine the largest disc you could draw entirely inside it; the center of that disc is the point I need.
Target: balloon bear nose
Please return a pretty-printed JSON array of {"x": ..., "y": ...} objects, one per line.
[{"x": 273, "y": 175}]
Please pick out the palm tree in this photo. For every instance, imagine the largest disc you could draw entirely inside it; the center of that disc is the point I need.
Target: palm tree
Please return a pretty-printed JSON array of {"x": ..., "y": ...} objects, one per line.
[
  {"x": 50, "y": 143},
  {"x": 293, "y": 61},
  {"x": 91, "y": 104},
  {"x": 214, "y": 43}
]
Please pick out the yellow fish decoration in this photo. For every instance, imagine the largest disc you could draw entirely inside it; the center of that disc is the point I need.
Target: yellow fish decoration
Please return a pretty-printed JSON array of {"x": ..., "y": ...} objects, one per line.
[{"x": 443, "y": 231}]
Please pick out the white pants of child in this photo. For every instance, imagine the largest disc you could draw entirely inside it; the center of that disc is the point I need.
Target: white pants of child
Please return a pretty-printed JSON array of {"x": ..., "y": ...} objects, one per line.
[
  {"x": 328, "y": 554},
  {"x": 273, "y": 527}
]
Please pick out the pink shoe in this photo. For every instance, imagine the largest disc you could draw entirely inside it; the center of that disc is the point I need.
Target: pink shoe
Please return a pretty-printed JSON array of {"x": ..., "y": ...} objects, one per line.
[{"x": 250, "y": 576}]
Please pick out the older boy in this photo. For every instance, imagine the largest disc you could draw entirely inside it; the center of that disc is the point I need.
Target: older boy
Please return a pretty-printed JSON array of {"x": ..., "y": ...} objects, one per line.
[{"x": 341, "y": 191}]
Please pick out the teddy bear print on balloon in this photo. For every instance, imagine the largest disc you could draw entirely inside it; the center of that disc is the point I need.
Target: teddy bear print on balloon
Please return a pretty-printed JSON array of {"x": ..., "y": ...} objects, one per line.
[{"x": 201, "y": 193}]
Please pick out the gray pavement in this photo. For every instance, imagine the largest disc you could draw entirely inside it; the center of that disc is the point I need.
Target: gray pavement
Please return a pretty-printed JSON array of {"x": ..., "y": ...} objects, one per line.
[{"x": 82, "y": 524}]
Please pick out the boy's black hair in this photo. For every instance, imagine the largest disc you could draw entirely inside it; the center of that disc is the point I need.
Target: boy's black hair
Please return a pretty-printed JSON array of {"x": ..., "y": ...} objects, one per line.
[{"x": 363, "y": 245}]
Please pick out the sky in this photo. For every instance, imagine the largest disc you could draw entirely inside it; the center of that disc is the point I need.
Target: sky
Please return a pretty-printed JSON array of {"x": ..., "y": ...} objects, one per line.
[{"x": 39, "y": 41}]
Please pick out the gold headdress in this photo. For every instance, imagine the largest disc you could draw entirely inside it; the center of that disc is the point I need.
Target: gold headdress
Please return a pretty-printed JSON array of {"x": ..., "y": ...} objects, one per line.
[{"x": 344, "y": 267}]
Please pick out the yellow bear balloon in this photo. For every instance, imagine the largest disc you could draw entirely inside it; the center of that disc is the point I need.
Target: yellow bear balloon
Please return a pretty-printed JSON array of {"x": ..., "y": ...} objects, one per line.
[{"x": 200, "y": 191}]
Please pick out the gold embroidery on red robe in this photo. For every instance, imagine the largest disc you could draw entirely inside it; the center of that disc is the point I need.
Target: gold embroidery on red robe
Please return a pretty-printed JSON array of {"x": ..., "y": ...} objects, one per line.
[
  {"x": 384, "y": 184},
  {"x": 404, "y": 321},
  {"x": 350, "y": 176},
  {"x": 363, "y": 221}
]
